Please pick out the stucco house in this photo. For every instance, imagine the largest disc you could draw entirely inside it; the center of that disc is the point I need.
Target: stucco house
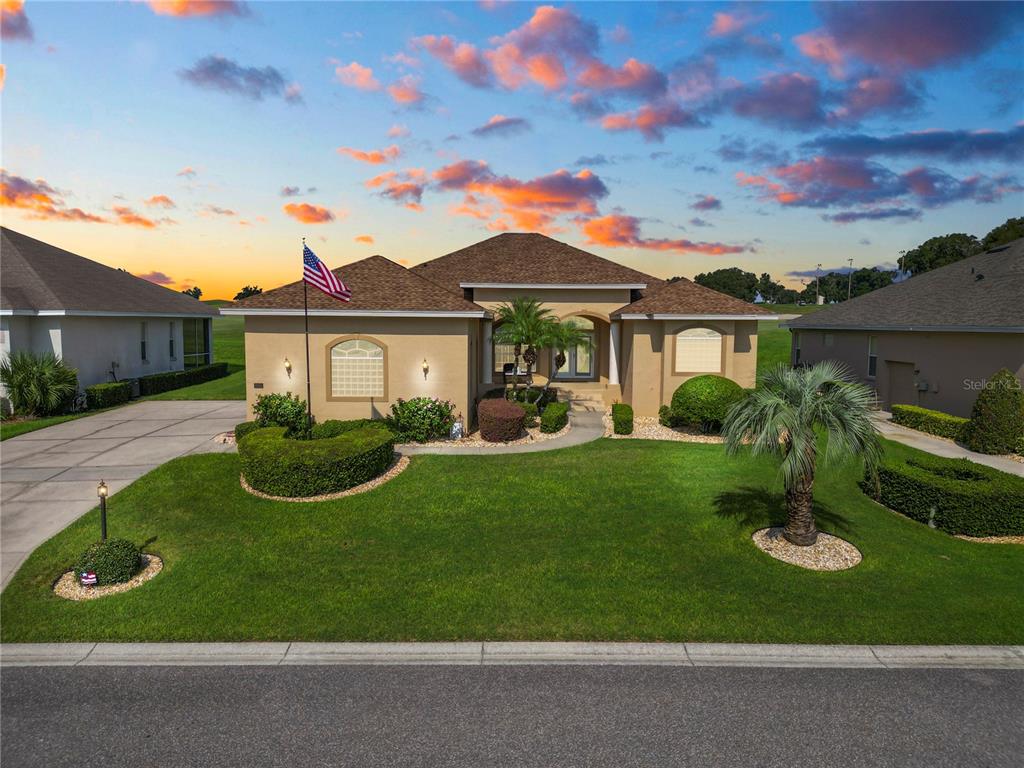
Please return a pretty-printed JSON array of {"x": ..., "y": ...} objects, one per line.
[
  {"x": 428, "y": 330},
  {"x": 932, "y": 340},
  {"x": 94, "y": 317}
]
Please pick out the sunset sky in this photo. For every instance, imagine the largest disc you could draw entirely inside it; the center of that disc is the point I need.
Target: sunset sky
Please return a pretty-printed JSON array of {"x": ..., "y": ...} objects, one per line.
[{"x": 197, "y": 142}]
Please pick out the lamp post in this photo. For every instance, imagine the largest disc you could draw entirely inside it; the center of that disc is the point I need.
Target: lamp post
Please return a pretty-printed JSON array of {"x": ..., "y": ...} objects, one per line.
[
  {"x": 817, "y": 284},
  {"x": 101, "y": 491}
]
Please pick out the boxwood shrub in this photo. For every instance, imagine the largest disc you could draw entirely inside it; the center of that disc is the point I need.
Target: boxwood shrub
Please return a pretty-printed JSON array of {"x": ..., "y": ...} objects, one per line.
[
  {"x": 622, "y": 418},
  {"x": 703, "y": 401},
  {"x": 500, "y": 420},
  {"x": 932, "y": 422},
  {"x": 555, "y": 417},
  {"x": 114, "y": 561},
  {"x": 280, "y": 466},
  {"x": 335, "y": 427},
  {"x": 107, "y": 395},
  {"x": 997, "y": 419},
  {"x": 954, "y": 495},
  {"x": 156, "y": 383},
  {"x": 243, "y": 429},
  {"x": 530, "y": 409}
]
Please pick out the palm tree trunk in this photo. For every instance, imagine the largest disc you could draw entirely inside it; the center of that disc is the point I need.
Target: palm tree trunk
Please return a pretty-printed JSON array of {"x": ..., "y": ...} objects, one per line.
[{"x": 800, "y": 529}]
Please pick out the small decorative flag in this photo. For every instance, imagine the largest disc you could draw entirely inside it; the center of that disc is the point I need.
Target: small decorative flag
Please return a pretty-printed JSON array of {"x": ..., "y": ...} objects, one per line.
[
  {"x": 88, "y": 579},
  {"x": 316, "y": 273}
]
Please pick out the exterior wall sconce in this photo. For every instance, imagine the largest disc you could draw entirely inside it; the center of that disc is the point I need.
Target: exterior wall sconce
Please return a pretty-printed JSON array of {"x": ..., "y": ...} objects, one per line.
[
  {"x": 288, "y": 367},
  {"x": 426, "y": 367},
  {"x": 101, "y": 491}
]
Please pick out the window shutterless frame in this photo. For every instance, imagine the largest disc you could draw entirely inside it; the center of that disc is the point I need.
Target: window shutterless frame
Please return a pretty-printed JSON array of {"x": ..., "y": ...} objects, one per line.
[{"x": 872, "y": 356}]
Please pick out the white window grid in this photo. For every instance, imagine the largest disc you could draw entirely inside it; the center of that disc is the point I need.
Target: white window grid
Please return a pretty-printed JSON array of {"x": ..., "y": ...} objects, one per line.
[
  {"x": 357, "y": 369},
  {"x": 698, "y": 350}
]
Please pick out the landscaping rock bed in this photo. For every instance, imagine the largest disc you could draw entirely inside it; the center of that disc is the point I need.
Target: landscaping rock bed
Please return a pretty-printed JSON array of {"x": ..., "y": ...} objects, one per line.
[
  {"x": 69, "y": 588},
  {"x": 828, "y": 553},
  {"x": 397, "y": 467},
  {"x": 994, "y": 539},
  {"x": 530, "y": 435},
  {"x": 649, "y": 428}
]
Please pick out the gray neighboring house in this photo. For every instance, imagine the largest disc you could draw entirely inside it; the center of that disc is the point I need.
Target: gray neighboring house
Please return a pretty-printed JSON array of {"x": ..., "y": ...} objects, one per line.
[
  {"x": 932, "y": 340},
  {"x": 93, "y": 316}
]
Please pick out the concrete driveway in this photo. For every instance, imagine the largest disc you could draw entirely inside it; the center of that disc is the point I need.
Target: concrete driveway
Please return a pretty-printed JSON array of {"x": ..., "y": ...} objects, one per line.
[{"x": 48, "y": 478}]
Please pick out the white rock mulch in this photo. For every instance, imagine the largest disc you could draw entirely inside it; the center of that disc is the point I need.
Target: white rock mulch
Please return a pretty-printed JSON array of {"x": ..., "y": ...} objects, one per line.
[
  {"x": 828, "y": 553},
  {"x": 649, "y": 428},
  {"x": 396, "y": 468},
  {"x": 70, "y": 588},
  {"x": 473, "y": 440},
  {"x": 993, "y": 539}
]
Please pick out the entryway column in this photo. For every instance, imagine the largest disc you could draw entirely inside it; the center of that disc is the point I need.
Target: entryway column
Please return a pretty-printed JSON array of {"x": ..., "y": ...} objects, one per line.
[
  {"x": 488, "y": 353},
  {"x": 614, "y": 335}
]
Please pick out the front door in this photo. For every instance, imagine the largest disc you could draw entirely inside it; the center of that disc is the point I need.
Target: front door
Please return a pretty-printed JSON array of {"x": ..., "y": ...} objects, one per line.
[
  {"x": 901, "y": 383},
  {"x": 579, "y": 361}
]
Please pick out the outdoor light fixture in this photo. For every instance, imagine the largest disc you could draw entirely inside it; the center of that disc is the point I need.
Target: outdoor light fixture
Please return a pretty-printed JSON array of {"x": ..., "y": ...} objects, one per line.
[
  {"x": 426, "y": 367},
  {"x": 101, "y": 491},
  {"x": 288, "y": 366}
]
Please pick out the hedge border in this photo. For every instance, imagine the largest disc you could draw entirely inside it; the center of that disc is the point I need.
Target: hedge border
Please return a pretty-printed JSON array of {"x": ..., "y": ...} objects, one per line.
[
  {"x": 156, "y": 383},
  {"x": 554, "y": 418},
  {"x": 107, "y": 395},
  {"x": 933, "y": 422}
]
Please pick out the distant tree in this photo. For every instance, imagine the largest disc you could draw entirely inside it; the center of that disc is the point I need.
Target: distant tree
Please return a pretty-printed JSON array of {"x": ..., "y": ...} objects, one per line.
[
  {"x": 770, "y": 290},
  {"x": 788, "y": 296},
  {"x": 195, "y": 292},
  {"x": 731, "y": 280},
  {"x": 834, "y": 285},
  {"x": 247, "y": 291},
  {"x": 1008, "y": 231},
  {"x": 940, "y": 251}
]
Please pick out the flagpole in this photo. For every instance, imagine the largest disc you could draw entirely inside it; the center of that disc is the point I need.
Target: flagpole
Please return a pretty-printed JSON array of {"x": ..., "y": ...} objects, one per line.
[{"x": 305, "y": 317}]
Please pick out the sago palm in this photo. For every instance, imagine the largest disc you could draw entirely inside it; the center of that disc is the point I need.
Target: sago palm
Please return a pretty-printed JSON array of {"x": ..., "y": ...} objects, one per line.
[
  {"x": 38, "y": 385},
  {"x": 524, "y": 323},
  {"x": 561, "y": 338},
  {"x": 783, "y": 417}
]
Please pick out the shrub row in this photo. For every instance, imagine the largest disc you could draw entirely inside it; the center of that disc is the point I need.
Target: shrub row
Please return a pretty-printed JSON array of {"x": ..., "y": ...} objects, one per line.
[
  {"x": 932, "y": 422},
  {"x": 555, "y": 417},
  {"x": 500, "y": 420},
  {"x": 114, "y": 561},
  {"x": 954, "y": 495},
  {"x": 300, "y": 468},
  {"x": 622, "y": 419},
  {"x": 156, "y": 383},
  {"x": 107, "y": 395},
  {"x": 335, "y": 427}
]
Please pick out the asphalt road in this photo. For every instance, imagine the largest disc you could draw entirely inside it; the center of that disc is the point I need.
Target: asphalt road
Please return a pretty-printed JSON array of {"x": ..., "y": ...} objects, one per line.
[{"x": 509, "y": 716}]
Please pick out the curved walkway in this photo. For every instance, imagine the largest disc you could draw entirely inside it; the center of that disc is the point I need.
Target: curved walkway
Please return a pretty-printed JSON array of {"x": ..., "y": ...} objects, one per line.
[{"x": 586, "y": 426}]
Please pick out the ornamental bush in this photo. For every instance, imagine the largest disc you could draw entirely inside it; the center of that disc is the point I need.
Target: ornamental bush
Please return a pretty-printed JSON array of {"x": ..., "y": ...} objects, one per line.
[
  {"x": 277, "y": 410},
  {"x": 500, "y": 420},
  {"x": 665, "y": 416},
  {"x": 954, "y": 495},
  {"x": 114, "y": 561},
  {"x": 156, "y": 383},
  {"x": 530, "y": 410},
  {"x": 622, "y": 418},
  {"x": 273, "y": 464},
  {"x": 38, "y": 385},
  {"x": 107, "y": 395},
  {"x": 243, "y": 429},
  {"x": 997, "y": 420},
  {"x": 554, "y": 418},
  {"x": 704, "y": 400},
  {"x": 421, "y": 419},
  {"x": 335, "y": 427},
  {"x": 932, "y": 422}
]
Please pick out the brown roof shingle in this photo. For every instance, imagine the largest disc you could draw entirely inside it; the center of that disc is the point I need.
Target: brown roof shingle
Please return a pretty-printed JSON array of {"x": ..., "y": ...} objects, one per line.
[
  {"x": 685, "y": 297},
  {"x": 377, "y": 284}
]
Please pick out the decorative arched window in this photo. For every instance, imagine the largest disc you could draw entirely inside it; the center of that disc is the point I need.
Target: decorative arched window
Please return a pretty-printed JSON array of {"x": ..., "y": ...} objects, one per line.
[
  {"x": 698, "y": 350},
  {"x": 357, "y": 369}
]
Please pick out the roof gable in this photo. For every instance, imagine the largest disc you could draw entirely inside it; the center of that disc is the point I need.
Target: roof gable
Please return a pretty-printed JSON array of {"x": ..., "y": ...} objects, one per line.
[{"x": 685, "y": 297}]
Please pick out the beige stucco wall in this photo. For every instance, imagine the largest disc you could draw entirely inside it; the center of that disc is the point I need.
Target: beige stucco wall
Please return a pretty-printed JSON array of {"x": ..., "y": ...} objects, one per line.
[
  {"x": 445, "y": 343},
  {"x": 953, "y": 365}
]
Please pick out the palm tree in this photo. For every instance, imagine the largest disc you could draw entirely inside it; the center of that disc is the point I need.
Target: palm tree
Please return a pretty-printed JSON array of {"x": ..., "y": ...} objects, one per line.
[
  {"x": 783, "y": 416},
  {"x": 562, "y": 337},
  {"x": 524, "y": 323}
]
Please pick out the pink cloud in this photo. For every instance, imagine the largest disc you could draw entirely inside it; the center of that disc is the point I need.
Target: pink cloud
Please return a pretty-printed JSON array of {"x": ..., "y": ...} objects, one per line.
[
  {"x": 14, "y": 24},
  {"x": 500, "y": 125},
  {"x": 633, "y": 77},
  {"x": 875, "y": 94},
  {"x": 159, "y": 278},
  {"x": 821, "y": 47},
  {"x": 789, "y": 100},
  {"x": 182, "y": 8},
  {"x": 621, "y": 231},
  {"x": 373, "y": 156},
  {"x": 406, "y": 90},
  {"x": 40, "y": 200},
  {"x": 707, "y": 203},
  {"x": 355, "y": 75},
  {"x": 403, "y": 187},
  {"x": 308, "y": 214},
  {"x": 463, "y": 59},
  {"x": 163, "y": 201},
  {"x": 728, "y": 24},
  {"x": 126, "y": 215},
  {"x": 364, "y": 239},
  {"x": 188, "y": 172},
  {"x": 651, "y": 120},
  {"x": 397, "y": 131}
]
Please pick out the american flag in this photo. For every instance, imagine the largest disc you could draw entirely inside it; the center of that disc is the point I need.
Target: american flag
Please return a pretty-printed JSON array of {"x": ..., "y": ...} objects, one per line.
[{"x": 316, "y": 273}]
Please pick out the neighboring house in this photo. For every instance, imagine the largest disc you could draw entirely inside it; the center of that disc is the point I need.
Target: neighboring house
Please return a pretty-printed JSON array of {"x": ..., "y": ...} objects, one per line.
[
  {"x": 427, "y": 331},
  {"x": 932, "y": 340},
  {"x": 93, "y": 317}
]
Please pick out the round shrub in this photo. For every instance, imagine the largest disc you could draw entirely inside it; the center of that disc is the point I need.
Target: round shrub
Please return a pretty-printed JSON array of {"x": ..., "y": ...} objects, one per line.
[
  {"x": 273, "y": 464},
  {"x": 500, "y": 420},
  {"x": 114, "y": 561},
  {"x": 703, "y": 401},
  {"x": 421, "y": 419},
  {"x": 997, "y": 420},
  {"x": 622, "y": 418}
]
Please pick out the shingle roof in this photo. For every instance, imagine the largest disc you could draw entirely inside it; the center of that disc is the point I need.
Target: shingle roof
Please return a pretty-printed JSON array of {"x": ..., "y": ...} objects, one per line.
[
  {"x": 517, "y": 258},
  {"x": 685, "y": 297},
  {"x": 38, "y": 276},
  {"x": 983, "y": 292},
  {"x": 377, "y": 284}
]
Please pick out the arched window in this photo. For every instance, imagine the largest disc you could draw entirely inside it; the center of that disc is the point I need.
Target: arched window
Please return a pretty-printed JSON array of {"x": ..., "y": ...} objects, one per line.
[
  {"x": 698, "y": 350},
  {"x": 357, "y": 369}
]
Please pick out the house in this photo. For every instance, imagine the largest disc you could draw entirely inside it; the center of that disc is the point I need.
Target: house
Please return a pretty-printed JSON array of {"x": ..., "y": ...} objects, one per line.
[
  {"x": 932, "y": 340},
  {"x": 101, "y": 321},
  {"x": 428, "y": 330}
]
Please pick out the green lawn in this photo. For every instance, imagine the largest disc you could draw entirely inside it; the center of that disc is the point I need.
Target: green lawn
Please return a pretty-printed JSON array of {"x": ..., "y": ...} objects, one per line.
[
  {"x": 228, "y": 347},
  {"x": 793, "y": 309},
  {"x": 773, "y": 345},
  {"x": 613, "y": 540}
]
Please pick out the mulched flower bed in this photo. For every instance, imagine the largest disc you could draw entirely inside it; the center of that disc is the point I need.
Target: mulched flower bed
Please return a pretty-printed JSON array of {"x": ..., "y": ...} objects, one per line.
[
  {"x": 530, "y": 435},
  {"x": 70, "y": 588},
  {"x": 828, "y": 553},
  {"x": 649, "y": 428},
  {"x": 396, "y": 468}
]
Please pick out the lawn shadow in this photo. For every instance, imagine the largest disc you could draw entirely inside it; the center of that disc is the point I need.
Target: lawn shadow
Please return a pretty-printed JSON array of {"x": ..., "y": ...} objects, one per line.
[{"x": 752, "y": 506}]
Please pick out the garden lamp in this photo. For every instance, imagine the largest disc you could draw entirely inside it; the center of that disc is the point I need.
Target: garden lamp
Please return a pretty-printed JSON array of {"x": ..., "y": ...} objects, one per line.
[
  {"x": 101, "y": 491},
  {"x": 288, "y": 367}
]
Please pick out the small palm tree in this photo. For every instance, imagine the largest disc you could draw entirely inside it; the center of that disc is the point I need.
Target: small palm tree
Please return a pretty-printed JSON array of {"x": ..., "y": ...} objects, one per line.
[
  {"x": 524, "y": 323},
  {"x": 783, "y": 416},
  {"x": 38, "y": 385},
  {"x": 562, "y": 337}
]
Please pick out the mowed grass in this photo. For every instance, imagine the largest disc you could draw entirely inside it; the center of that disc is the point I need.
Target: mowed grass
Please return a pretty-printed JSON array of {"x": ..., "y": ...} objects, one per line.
[
  {"x": 613, "y": 540},
  {"x": 228, "y": 347},
  {"x": 773, "y": 345}
]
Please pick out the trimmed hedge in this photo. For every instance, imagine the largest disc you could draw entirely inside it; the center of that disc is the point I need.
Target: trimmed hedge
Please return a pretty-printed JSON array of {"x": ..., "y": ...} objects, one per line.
[
  {"x": 997, "y": 419},
  {"x": 335, "y": 427},
  {"x": 622, "y": 418},
  {"x": 555, "y": 417},
  {"x": 156, "y": 383},
  {"x": 954, "y": 495},
  {"x": 932, "y": 422},
  {"x": 703, "y": 401},
  {"x": 107, "y": 395},
  {"x": 114, "y": 561},
  {"x": 280, "y": 466},
  {"x": 243, "y": 429},
  {"x": 500, "y": 420}
]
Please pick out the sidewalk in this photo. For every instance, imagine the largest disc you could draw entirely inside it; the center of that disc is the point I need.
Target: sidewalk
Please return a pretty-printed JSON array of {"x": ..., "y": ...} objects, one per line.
[
  {"x": 513, "y": 653},
  {"x": 939, "y": 447}
]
